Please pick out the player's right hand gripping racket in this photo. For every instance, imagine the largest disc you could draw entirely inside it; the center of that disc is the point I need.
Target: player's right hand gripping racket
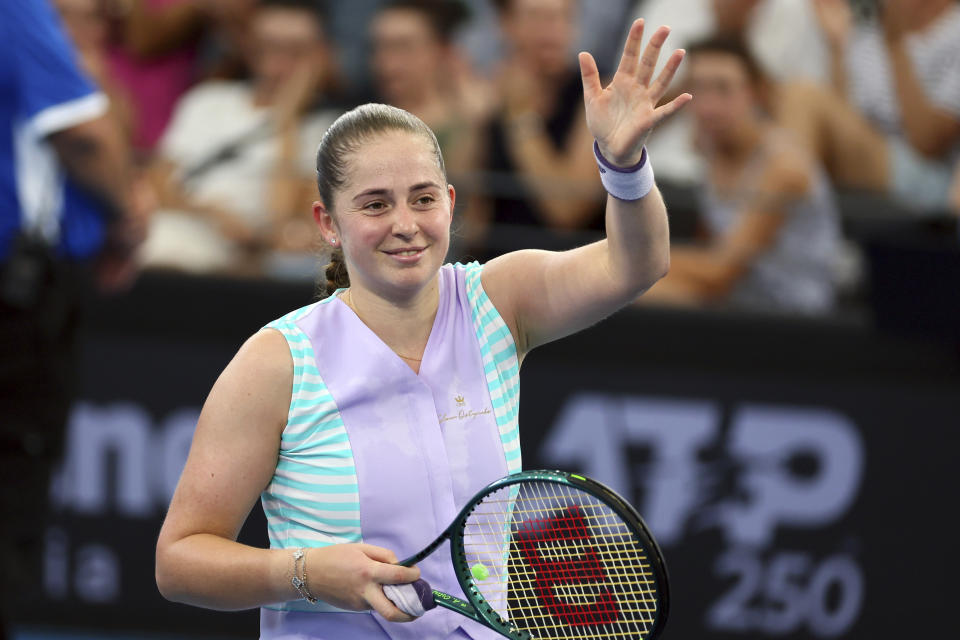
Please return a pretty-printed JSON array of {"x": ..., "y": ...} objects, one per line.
[{"x": 549, "y": 554}]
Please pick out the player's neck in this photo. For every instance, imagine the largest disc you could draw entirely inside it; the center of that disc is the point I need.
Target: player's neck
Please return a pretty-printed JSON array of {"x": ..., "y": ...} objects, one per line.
[{"x": 405, "y": 324}]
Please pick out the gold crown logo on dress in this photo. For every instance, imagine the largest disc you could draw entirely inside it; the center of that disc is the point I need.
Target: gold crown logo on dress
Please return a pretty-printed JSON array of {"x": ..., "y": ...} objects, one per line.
[{"x": 459, "y": 400}]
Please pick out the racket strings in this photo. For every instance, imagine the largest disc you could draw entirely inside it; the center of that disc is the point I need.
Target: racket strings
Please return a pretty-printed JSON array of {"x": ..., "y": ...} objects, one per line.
[
  {"x": 586, "y": 596},
  {"x": 561, "y": 563}
]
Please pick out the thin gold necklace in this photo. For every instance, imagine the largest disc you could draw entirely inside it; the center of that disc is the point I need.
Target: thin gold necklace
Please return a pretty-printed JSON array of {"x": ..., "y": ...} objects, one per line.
[{"x": 347, "y": 297}]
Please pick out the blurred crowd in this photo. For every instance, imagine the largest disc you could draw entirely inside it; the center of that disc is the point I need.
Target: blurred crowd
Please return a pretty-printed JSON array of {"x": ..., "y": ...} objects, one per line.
[{"x": 800, "y": 107}]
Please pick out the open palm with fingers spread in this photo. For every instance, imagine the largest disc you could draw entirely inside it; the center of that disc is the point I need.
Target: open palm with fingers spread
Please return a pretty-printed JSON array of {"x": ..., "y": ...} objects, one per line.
[{"x": 622, "y": 115}]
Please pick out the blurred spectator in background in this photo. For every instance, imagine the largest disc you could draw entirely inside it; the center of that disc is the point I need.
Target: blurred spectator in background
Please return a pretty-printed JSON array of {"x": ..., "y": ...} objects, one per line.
[
  {"x": 348, "y": 25},
  {"x": 772, "y": 232},
  {"x": 538, "y": 148},
  {"x": 88, "y": 27},
  {"x": 416, "y": 68},
  {"x": 225, "y": 50},
  {"x": 67, "y": 198},
  {"x": 891, "y": 122},
  {"x": 157, "y": 49},
  {"x": 782, "y": 35},
  {"x": 601, "y": 26},
  {"x": 151, "y": 54},
  {"x": 236, "y": 170}
]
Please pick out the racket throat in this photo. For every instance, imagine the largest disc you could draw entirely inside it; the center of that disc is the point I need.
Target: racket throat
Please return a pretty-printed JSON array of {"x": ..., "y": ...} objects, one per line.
[{"x": 465, "y": 608}]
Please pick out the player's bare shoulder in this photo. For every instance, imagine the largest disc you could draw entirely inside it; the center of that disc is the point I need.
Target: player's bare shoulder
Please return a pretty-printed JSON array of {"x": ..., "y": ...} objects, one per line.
[
  {"x": 269, "y": 350},
  {"x": 258, "y": 382},
  {"x": 264, "y": 359}
]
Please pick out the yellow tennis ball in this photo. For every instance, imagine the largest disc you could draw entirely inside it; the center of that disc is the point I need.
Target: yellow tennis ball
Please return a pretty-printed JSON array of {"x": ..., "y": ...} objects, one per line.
[{"x": 479, "y": 571}]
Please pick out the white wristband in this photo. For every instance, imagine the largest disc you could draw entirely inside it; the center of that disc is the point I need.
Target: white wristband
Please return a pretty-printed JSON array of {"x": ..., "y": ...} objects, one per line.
[{"x": 631, "y": 183}]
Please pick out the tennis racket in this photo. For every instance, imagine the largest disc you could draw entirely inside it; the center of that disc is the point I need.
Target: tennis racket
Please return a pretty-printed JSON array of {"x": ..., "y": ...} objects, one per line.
[{"x": 549, "y": 554}]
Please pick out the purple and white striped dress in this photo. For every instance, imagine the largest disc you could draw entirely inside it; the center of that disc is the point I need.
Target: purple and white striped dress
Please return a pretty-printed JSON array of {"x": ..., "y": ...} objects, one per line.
[{"x": 373, "y": 452}]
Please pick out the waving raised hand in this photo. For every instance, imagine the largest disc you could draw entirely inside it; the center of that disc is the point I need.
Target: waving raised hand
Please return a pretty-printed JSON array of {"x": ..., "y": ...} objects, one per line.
[{"x": 622, "y": 115}]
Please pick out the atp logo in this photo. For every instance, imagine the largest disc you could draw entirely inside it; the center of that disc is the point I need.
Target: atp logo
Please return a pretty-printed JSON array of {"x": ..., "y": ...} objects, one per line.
[
  {"x": 770, "y": 467},
  {"x": 757, "y": 469}
]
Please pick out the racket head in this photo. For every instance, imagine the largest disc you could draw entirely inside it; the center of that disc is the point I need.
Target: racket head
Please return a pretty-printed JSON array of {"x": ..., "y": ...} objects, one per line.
[{"x": 557, "y": 555}]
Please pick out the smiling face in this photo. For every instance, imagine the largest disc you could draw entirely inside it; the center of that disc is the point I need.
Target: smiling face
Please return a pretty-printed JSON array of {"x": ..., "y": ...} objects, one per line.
[{"x": 392, "y": 216}]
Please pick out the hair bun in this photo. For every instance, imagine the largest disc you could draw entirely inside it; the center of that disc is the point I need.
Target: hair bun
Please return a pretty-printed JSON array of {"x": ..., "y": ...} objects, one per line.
[{"x": 336, "y": 273}]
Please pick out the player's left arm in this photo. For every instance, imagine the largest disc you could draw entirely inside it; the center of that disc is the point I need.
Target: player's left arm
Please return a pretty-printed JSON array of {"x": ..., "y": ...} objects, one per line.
[{"x": 545, "y": 295}]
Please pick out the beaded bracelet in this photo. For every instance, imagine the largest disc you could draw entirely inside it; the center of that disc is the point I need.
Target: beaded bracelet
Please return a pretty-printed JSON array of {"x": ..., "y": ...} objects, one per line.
[
  {"x": 300, "y": 584},
  {"x": 631, "y": 183}
]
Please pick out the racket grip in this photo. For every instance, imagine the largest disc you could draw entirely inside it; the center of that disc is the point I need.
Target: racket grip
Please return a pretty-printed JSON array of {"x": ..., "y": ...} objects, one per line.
[{"x": 413, "y": 598}]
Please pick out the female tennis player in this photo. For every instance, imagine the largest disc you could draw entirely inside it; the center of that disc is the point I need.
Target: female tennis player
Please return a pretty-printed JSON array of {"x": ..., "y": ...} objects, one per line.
[{"x": 366, "y": 420}]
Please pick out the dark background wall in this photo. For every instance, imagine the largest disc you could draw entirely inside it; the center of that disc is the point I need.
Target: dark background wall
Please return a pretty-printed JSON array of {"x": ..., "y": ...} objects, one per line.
[{"x": 797, "y": 473}]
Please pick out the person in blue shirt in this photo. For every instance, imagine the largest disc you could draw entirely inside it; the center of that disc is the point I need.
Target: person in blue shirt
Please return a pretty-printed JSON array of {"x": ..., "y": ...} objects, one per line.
[{"x": 68, "y": 205}]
